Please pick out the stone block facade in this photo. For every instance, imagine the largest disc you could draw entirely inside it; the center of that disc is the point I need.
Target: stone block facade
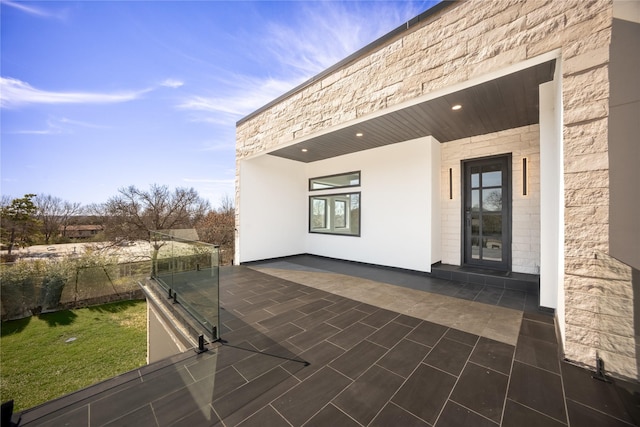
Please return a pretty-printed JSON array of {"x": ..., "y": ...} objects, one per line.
[{"x": 465, "y": 40}]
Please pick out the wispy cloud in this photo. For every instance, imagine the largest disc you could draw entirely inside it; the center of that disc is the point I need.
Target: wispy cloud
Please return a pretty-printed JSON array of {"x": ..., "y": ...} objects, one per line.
[
  {"x": 56, "y": 126},
  {"x": 209, "y": 181},
  {"x": 219, "y": 146},
  {"x": 328, "y": 32},
  {"x": 14, "y": 92},
  {"x": 80, "y": 123},
  {"x": 172, "y": 83},
  {"x": 243, "y": 95},
  {"x": 53, "y": 127},
  {"x": 33, "y": 10},
  {"x": 48, "y": 131}
]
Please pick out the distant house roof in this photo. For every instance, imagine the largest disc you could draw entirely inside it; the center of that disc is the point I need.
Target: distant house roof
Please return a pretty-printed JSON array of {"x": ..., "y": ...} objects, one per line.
[{"x": 81, "y": 227}]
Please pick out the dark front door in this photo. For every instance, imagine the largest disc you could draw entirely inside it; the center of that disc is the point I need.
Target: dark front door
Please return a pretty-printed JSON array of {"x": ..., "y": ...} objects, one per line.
[{"x": 487, "y": 213}]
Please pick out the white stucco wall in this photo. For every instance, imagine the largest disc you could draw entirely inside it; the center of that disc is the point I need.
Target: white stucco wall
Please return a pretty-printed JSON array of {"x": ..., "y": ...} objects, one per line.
[
  {"x": 396, "y": 205},
  {"x": 551, "y": 201},
  {"x": 399, "y": 207},
  {"x": 273, "y": 198},
  {"x": 436, "y": 207}
]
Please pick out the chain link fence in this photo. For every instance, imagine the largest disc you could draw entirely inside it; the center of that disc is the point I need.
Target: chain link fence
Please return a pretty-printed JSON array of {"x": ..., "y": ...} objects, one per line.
[{"x": 29, "y": 288}]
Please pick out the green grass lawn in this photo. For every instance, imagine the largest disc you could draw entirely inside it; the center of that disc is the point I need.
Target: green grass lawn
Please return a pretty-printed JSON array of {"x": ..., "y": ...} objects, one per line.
[{"x": 37, "y": 363}]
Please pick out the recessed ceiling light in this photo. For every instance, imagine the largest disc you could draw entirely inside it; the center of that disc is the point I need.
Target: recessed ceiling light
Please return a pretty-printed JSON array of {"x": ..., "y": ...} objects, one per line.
[
  {"x": 456, "y": 107},
  {"x": 304, "y": 150},
  {"x": 359, "y": 134}
]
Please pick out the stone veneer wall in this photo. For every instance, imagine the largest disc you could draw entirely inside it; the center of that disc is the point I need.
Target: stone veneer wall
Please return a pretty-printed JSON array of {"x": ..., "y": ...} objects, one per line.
[
  {"x": 468, "y": 39},
  {"x": 520, "y": 142}
]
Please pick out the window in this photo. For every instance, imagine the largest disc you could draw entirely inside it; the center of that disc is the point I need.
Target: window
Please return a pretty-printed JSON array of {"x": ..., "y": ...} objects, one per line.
[
  {"x": 339, "y": 209},
  {"x": 349, "y": 179},
  {"x": 319, "y": 214},
  {"x": 335, "y": 214}
]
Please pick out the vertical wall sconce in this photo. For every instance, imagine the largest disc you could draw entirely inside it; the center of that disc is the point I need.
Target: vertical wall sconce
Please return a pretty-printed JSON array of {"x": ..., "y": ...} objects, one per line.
[
  {"x": 450, "y": 184},
  {"x": 524, "y": 176}
]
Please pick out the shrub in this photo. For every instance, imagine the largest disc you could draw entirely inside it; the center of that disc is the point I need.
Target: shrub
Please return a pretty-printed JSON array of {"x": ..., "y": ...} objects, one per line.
[
  {"x": 21, "y": 283},
  {"x": 30, "y": 287}
]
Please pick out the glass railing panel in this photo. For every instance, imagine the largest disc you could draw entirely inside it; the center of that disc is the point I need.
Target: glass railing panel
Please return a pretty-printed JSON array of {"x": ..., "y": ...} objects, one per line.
[
  {"x": 162, "y": 258},
  {"x": 100, "y": 282},
  {"x": 189, "y": 271},
  {"x": 33, "y": 287}
]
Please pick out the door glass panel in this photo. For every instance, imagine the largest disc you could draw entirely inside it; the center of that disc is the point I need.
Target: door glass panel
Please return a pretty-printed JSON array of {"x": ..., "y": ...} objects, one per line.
[
  {"x": 492, "y": 248},
  {"x": 491, "y": 176},
  {"x": 492, "y": 225},
  {"x": 492, "y": 200},
  {"x": 475, "y": 225},
  {"x": 475, "y": 200},
  {"x": 475, "y": 177},
  {"x": 475, "y": 247}
]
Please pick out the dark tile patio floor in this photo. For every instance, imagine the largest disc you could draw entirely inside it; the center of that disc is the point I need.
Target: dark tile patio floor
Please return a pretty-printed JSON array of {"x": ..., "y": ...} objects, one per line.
[
  {"x": 490, "y": 290},
  {"x": 297, "y": 355}
]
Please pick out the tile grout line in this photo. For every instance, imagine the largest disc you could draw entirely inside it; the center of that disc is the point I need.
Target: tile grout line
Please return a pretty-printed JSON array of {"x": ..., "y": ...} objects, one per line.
[
  {"x": 457, "y": 377},
  {"x": 153, "y": 412},
  {"x": 537, "y": 411},
  {"x": 269, "y": 403},
  {"x": 471, "y": 410},
  {"x": 418, "y": 366},
  {"x": 513, "y": 361},
  {"x": 564, "y": 392},
  {"x": 506, "y": 395},
  {"x": 404, "y": 379},
  {"x": 330, "y": 402},
  {"x": 538, "y": 367},
  {"x": 598, "y": 411},
  {"x": 491, "y": 369},
  {"x": 217, "y": 414},
  {"x": 374, "y": 364}
]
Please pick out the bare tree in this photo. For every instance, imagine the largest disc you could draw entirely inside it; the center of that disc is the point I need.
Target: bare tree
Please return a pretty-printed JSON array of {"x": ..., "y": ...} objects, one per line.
[
  {"x": 54, "y": 214},
  {"x": 493, "y": 201},
  {"x": 218, "y": 227},
  {"x": 226, "y": 205},
  {"x": 5, "y": 200},
  {"x": 134, "y": 212},
  {"x": 95, "y": 213}
]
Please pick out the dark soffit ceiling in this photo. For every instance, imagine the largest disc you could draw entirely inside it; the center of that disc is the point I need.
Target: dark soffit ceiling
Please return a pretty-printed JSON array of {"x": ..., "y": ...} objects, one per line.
[{"x": 503, "y": 103}]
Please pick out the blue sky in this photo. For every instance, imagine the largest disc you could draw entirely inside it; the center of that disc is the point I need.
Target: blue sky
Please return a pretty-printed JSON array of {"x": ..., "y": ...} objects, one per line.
[{"x": 96, "y": 96}]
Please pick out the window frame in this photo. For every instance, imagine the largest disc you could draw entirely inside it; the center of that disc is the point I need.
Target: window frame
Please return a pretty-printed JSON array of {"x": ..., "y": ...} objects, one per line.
[
  {"x": 330, "y": 200},
  {"x": 338, "y": 186},
  {"x": 345, "y": 223},
  {"x": 325, "y": 214}
]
